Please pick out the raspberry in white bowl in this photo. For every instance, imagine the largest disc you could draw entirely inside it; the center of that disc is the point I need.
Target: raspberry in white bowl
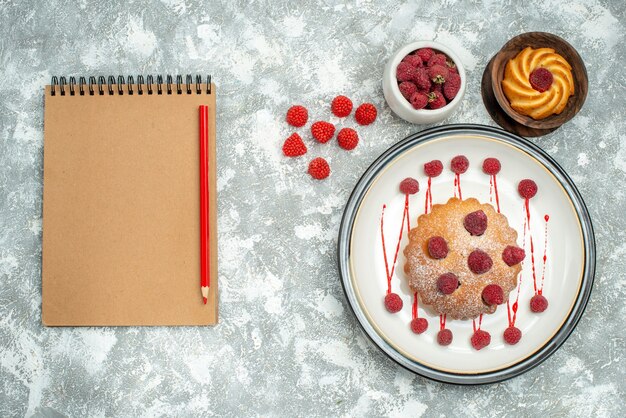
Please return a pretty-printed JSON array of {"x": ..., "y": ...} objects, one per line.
[{"x": 424, "y": 82}]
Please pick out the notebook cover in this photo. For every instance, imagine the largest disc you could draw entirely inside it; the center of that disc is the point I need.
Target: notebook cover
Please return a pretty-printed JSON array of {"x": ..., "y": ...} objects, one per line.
[{"x": 121, "y": 202}]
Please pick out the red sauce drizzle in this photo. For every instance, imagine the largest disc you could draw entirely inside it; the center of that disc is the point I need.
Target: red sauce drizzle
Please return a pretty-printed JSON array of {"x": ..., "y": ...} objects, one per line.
[
  {"x": 457, "y": 186},
  {"x": 545, "y": 253},
  {"x": 480, "y": 322},
  {"x": 495, "y": 189},
  {"x": 428, "y": 201},
  {"x": 532, "y": 244},
  {"x": 405, "y": 217},
  {"x": 513, "y": 309},
  {"x": 442, "y": 321},
  {"x": 414, "y": 316}
]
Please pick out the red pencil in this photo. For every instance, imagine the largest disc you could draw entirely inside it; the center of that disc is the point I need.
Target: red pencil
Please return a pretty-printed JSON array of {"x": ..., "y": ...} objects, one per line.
[{"x": 205, "y": 279}]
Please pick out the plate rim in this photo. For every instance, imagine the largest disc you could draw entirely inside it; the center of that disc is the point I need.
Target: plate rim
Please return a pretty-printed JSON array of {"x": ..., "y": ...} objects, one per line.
[{"x": 589, "y": 262}]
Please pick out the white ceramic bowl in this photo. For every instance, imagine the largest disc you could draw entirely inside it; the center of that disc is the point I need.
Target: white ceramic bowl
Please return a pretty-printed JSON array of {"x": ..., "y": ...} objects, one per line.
[{"x": 400, "y": 105}]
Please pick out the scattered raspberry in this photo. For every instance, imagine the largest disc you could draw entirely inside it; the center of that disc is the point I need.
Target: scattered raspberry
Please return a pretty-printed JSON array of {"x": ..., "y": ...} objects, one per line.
[
  {"x": 476, "y": 222},
  {"x": 479, "y": 262},
  {"x": 409, "y": 186},
  {"x": 293, "y": 146},
  {"x": 319, "y": 168},
  {"x": 527, "y": 188},
  {"x": 421, "y": 79},
  {"x": 425, "y": 54},
  {"x": 414, "y": 60},
  {"x": 297, "y": 116},
  {"x": 365, "y": 114},
  {"x": 407, "y": 89},
  {"x": 393, "y": 302},
  {"x": 437, "y": 247},
  {"x": 491, "y": 166},
  {"x": 405, "y": 72},
  {"x": 459, "y": 164},
  {"x": 447, "y": 283},
  {"x": 341, "y": 106},
  {"x": 444, "y": 337},
  {"x": 541, "y": 79},
  {"x": 538, "y": 303},
  {"x": 481, "y": 339},
  {"x": 419, "y": 325},
  {"x": 513, "y": 255},
  {"x": 493, "y": 295},
  {"x": 436, "y": 100},
  {"x": 323, "y": 131},
  {"x": 347, "y": 138},
  {"x": 438, "y": 73},
  {"x": 452, "y": 85},
  {"x": 437, "y": 59},
  {"x": 512, "y": 335},
  {"x": 419, "y": 100},
  {"x": 433, "y": 168}
]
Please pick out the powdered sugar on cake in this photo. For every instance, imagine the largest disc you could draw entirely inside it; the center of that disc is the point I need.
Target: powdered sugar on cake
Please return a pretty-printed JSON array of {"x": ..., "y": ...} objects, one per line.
[{"x": 446, "y": 220}]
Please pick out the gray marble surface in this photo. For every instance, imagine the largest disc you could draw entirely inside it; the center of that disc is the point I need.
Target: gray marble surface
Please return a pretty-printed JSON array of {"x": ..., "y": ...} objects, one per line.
[{"x": 287, "y": 343}]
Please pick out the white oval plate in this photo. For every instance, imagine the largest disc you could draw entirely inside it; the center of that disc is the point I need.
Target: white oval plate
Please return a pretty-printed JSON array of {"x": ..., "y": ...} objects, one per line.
[{"x": 570, "y": 253}]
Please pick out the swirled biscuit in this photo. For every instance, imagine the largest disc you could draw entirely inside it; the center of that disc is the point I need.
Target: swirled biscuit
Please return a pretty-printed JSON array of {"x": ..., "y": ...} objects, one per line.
[{"x": 531, "y": 100}]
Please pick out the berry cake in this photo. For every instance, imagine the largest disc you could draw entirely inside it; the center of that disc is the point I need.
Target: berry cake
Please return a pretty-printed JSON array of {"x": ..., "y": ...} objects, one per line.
[{"x": 462, "y": 258}]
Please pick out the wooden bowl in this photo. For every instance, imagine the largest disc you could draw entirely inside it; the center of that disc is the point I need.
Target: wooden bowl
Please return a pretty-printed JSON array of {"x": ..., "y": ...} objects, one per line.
[{"x": 540, "y": 40}]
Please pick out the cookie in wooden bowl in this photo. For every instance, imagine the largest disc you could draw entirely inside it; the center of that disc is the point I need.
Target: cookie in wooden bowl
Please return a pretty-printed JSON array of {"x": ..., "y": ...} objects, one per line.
[{"x": 539, "y": 80}]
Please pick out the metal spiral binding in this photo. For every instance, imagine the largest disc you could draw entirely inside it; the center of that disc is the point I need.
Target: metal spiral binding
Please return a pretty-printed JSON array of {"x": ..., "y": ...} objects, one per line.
[{"x": 127, "y": 84}]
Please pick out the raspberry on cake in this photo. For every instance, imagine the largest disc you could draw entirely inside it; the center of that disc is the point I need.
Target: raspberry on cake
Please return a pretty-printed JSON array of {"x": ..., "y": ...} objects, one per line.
[
  {"x": 447, "y": 283},
  {"x": 476, "y": 222},
  {"x": 475, "y": 260},
  {"x": 437, "y": 247},
  {"x": 493, "y": 294},
  {"x": 479, "y": 262},
  {"x": 513, "y": 255}
]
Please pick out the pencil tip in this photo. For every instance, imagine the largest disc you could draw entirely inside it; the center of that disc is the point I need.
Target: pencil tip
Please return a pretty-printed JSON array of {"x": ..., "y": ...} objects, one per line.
[{"x": 205, "y": 300}]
